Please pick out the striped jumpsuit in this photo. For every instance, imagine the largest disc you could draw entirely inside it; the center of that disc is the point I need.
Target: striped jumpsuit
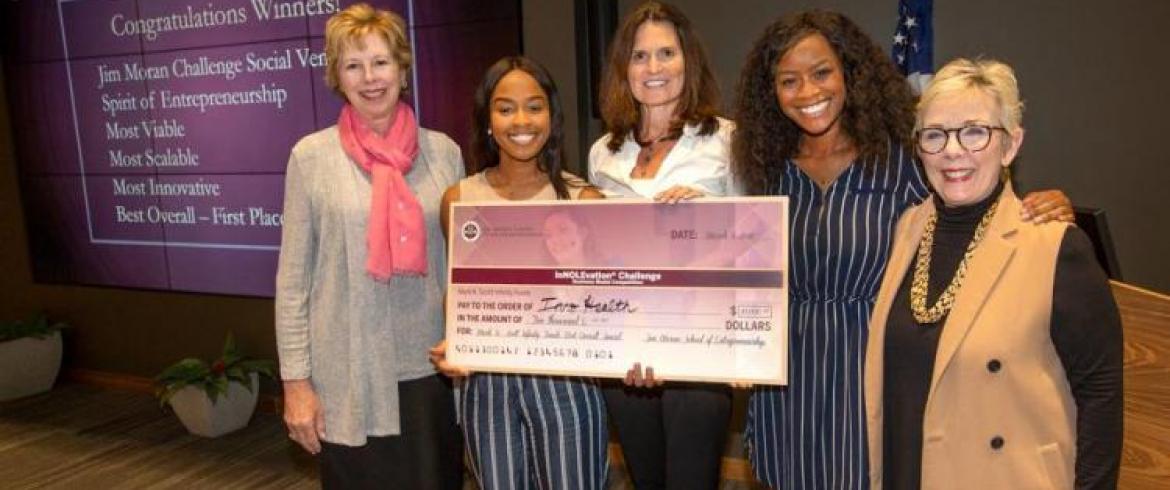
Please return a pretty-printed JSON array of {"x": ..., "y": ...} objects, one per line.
[
  {"x": 811, "y": 434},
  {"x": 533, "y": 432}
]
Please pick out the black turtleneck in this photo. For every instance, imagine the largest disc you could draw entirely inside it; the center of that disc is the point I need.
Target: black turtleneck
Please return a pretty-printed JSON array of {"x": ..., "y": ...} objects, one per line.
[{"x": 1085, "y": 330}]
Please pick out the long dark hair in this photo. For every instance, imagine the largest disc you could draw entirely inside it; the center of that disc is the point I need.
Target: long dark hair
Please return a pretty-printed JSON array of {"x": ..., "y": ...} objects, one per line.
[
  {"x": 699, "y": 101},
  {"x": 484, "y": 151},
  {"x": 879, "y": 107}
]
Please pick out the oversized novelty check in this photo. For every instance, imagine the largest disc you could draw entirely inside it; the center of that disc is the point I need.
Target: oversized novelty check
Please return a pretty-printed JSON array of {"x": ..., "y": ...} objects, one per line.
[{"x": 697, "y": 290}]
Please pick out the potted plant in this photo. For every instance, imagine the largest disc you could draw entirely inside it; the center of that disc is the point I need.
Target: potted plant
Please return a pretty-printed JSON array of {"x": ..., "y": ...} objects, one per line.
[
  {"x": 30, "y": 356},
  {"x": 217, "y": 398}
]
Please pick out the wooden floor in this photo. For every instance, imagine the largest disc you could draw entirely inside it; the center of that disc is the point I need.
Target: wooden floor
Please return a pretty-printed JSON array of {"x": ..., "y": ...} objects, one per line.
[
  {"x": 78, "y": 436},
  {"x": 81, "y": 436}
]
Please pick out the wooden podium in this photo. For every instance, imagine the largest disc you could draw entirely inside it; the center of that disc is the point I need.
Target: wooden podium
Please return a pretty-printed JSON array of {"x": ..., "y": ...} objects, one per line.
[{"x": 1145, "y": 317}]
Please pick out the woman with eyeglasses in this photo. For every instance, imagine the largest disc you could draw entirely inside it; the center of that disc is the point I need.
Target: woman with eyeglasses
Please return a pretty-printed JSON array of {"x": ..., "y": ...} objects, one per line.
[
  {"x": 995, "y": 354},
  {"x": 824, "y": 118}
]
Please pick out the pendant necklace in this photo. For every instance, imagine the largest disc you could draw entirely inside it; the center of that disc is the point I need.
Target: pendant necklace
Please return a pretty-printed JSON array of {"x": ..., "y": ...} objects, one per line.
[{"x": 647, "y": 153}]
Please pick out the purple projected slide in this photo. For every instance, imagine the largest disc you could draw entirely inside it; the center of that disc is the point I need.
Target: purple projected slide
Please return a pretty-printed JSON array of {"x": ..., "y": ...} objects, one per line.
[{"x": 152, "y": 135}]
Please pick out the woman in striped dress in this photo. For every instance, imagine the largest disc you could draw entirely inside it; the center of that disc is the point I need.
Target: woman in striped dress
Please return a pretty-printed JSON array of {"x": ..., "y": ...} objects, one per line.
[
  {"x": 525, "y": 431},
  {"x": 824, "y": 118}
]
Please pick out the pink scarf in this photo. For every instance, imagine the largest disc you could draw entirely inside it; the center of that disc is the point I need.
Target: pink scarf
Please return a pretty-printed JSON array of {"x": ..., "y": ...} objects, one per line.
[{"x": 396, "y": 240}]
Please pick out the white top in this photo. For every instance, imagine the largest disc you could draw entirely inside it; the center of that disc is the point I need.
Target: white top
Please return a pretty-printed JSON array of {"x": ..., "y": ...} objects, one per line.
[{"x": 700, "y": 162}]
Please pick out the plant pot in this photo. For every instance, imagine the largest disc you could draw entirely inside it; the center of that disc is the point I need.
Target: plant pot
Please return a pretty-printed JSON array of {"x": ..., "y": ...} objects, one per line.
[
  {"x": 29, "y": 365},
  {"x": 230, "y": 412}
]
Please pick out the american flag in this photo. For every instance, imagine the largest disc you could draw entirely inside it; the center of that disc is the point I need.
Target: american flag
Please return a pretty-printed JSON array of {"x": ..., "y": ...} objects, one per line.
[{"x": 913, "y": 49}]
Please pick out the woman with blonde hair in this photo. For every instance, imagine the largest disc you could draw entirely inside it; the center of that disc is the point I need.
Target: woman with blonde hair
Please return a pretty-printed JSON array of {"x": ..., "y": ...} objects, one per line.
[
  {"x": 824, "y": 118},
  {"x": 359, "y": 287},
  {"x": 995, "y": 353}
]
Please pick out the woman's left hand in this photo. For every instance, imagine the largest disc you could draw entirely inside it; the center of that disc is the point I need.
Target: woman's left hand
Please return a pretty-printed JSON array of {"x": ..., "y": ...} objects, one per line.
[
  {"x": 1044, "y": 206},
  {"x": 677, "y": 193}
]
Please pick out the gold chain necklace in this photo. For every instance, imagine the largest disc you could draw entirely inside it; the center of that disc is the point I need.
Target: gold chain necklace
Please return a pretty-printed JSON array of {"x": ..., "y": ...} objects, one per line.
[{"x": 922, "y": 271}]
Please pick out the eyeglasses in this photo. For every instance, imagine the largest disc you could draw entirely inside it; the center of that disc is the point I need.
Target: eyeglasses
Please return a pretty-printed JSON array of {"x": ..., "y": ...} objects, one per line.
[{"x": 972, "y": 137}]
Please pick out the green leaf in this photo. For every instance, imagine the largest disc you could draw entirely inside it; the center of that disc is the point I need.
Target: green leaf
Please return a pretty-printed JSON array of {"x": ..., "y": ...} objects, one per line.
[
  {"x": 247, "y": 384},
  {"x": 37, "y": 327},
  {"x": 239, "y": 376},
  {"x": 164, "y": 394},
  {"x": 262, "y": 367},
  {"x": 219, "y": 388},
  {"x": 186, "y": 371},
  {"x": 230, "y": 353}
]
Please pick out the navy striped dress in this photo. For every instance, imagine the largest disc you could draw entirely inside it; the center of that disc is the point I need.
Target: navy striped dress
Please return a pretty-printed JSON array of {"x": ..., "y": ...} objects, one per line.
[
  {"x": 535, "y": 432},
  {"x": 811, "y": 434},
  {"x": 527, "y": 432}
]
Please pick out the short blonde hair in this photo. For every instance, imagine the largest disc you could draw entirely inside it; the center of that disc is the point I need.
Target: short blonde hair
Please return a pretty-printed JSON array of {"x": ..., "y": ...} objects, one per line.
[
  {"x": 348, "y": 26},
  {"x": 993, "y": 77}
]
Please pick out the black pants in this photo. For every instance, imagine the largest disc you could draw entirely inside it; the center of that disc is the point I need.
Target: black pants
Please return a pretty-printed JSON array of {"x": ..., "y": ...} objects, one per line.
[
  {"x": 672, "y": 437},
  {"x": 428, "y": 454}
]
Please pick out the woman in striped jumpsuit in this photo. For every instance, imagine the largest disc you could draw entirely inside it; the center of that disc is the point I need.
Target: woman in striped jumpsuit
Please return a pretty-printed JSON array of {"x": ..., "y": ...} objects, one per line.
[
  {"x": 824, "y": 118},
  {"x": 525, "y": 431}
]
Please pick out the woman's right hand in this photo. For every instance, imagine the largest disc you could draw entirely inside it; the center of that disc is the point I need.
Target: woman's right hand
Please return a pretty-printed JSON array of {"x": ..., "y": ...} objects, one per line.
[
  {"x": 677, "y": 193},
  {"x": 303, "y": 415},
  {"x": 439, "y": 360},
  {"x": 642, "y": 379}
]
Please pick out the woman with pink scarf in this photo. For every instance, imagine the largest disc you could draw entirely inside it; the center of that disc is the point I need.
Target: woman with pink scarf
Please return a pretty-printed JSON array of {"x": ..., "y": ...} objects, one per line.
[{"x": 359, "y": 285}]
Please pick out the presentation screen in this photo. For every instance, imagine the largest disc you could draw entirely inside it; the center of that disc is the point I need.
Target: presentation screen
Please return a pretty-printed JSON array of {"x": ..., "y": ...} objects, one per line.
[{"x": 152, "y": 136}]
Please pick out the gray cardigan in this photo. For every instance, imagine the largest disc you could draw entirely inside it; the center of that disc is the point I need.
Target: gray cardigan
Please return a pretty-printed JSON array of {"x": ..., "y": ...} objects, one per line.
[{"x": 353, "y": 337}]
